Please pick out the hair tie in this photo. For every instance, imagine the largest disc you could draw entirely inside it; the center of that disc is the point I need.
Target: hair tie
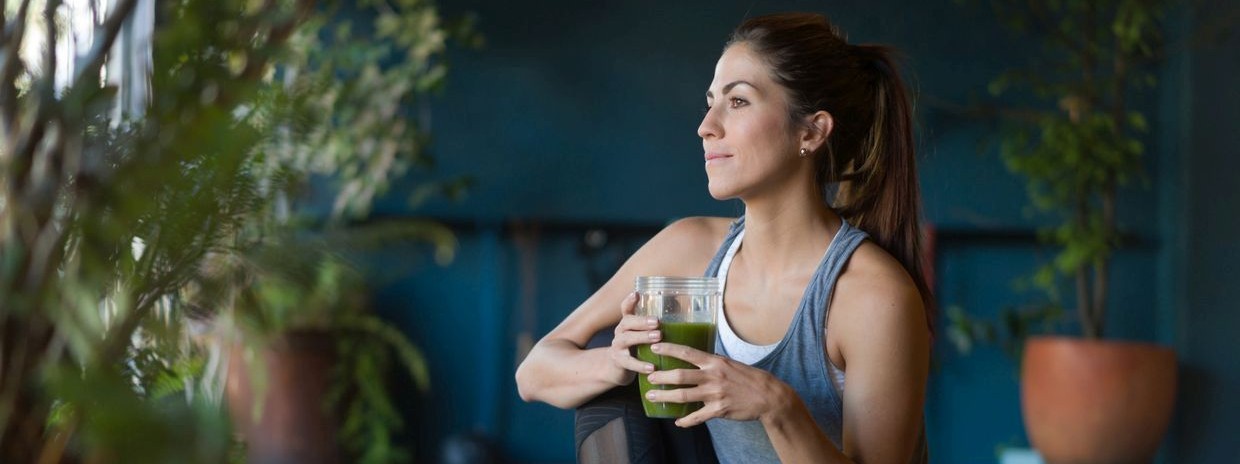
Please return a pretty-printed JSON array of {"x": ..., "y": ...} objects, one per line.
[{"x": 871, "y": 56}]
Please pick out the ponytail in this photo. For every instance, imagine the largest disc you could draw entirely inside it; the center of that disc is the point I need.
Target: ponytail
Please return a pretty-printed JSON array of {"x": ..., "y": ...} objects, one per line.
[{"x": 881, "y": 193}]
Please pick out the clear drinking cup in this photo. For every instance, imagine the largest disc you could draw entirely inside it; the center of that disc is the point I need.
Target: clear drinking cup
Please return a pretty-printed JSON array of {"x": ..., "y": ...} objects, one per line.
[{"x": 686, "y": 308}]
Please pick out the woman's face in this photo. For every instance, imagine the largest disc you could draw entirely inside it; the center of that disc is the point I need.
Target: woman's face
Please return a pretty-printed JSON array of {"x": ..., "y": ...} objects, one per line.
[{"x": 750, "y": 145}]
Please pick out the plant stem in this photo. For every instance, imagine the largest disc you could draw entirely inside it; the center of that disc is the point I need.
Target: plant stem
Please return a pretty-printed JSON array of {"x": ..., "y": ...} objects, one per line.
[
  {"x": 1102, "y": 266},
  {"x": 54, "y": 449},
  {"x": 1084, "y": 311},
  {"x": 1088, "y": 60},
  {"x": 23, "y": 412}
]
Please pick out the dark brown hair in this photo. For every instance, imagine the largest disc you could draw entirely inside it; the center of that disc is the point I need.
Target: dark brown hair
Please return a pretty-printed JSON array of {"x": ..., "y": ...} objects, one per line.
[{"x": 868, "y": 161}]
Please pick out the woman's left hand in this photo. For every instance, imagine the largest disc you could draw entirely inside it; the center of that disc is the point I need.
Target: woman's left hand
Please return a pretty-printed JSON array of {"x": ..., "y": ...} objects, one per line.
[{"x": 728, "y": 389}]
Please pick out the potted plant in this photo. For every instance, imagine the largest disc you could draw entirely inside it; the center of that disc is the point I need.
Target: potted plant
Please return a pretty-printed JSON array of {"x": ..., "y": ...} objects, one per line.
[
  {"x": 103, "y": 219},
  {"x": 306, "y": 353},
  {"x": 308, "y": 359},
  {"x": 110, "y": 226},
  {"x": 1085, "y": 399},
  {"x": 308, "y": 371}
]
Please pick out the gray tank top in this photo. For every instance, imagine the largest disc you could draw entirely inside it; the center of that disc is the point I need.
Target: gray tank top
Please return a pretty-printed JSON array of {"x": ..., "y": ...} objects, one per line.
[{"x": 799, "y": 360}]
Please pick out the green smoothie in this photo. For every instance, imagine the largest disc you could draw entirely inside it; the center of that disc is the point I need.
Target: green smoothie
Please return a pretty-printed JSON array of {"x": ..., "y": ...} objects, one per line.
[{"x": 700, "y": 335}]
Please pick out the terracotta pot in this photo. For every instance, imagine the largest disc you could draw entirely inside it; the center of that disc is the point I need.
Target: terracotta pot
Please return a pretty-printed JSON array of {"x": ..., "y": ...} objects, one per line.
[
  {"x": 296, "y": 424},
  {"x": 1096, "y": 402}
]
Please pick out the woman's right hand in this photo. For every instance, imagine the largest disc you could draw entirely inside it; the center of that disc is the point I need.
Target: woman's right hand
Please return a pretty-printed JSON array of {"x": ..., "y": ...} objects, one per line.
[{"x": 632, "y": 330}]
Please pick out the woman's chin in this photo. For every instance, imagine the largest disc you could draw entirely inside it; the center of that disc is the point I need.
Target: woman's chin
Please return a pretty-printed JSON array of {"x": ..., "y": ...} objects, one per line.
[{"x": 720, "y": 193}]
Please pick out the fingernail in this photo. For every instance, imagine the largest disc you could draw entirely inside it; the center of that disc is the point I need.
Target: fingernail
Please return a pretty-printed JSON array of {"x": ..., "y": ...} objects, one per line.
[
  {"x": 650, "y": 368},
  {"x": 657, "y": 347},
  {"x": 654, "y": 335},
  {"x": 652, "y": 322},
  {"x": 649, "y": 396}
]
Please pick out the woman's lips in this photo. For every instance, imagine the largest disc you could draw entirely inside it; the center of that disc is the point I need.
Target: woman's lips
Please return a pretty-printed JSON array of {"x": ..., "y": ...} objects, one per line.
[{"x": 715, "y": 156}]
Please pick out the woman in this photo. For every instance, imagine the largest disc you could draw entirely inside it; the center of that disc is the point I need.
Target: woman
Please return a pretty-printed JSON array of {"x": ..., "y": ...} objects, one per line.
[{"x": 824, "y": 342}]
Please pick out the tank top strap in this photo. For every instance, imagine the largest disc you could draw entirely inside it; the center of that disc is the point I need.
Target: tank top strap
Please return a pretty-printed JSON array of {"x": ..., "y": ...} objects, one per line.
[
  {"x": 712, "y": 269},
  {"x": 822, "y": 285}
]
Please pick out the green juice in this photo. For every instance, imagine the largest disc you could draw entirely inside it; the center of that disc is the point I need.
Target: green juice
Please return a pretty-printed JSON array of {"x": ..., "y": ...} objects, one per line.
[{"x": 700, "y": 335}]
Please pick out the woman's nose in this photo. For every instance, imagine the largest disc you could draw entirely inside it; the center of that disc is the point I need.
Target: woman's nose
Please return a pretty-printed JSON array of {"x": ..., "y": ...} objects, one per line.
[{"x": 710, "y": 126}]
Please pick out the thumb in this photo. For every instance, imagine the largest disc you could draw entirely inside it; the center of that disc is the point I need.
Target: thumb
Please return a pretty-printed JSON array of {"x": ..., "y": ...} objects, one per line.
[{"x": 628, "y": 307}]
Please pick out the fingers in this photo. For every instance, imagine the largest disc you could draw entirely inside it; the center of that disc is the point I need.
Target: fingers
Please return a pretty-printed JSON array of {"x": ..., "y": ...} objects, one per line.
[
  {"x": 696, "y": 394},
  {"x": 622, "y": 358},
  {"x": 633, "y": 330},
  {"x": 693, "y": 356},
  {"x": 628, "y": 306},
  {"x": 676, "y": 395},
  {"x": 621, "y": 349},
  {"x": 697, "y": 417},
  {"x": 637, "y": 323},
  {"x": 686, "y": 395},
  {"x": 677, "y": 377}
]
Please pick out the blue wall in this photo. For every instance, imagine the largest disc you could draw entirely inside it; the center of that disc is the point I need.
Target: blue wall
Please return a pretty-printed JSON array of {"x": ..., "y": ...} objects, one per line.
[
  {"x": 578, "y": 116},
  {"x": 1206, "y": 251}
]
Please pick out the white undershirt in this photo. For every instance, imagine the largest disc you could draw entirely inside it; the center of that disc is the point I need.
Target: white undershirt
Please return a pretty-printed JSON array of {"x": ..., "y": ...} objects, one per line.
[
  {"x": 739, "y": 349},
  {"x": 736, "y": 348}
]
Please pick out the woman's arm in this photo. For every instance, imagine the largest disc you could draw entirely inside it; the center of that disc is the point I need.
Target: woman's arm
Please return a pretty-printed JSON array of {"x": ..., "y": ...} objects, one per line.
[
  {"x": 559, "y": 371},
  {"x": 880, "y": 329},
  {"x": 885, "y": 342}
]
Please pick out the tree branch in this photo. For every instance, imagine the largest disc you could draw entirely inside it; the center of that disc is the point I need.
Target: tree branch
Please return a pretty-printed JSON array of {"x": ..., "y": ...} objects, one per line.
[
  {"x": 1088, "y": 60},
  {"x": 8, "y": 70},
  {"x": 118, "y": 338},
  {"x": 1083, "y": 310},
  {"x": 49, "y": 51},
  {"x": 1103, "y": 266},
  {"x": 46, "y": 254}
]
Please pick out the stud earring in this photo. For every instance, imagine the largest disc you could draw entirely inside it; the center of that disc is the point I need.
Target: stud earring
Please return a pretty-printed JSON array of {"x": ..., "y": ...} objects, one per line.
[{"x": 804, "y": 152}]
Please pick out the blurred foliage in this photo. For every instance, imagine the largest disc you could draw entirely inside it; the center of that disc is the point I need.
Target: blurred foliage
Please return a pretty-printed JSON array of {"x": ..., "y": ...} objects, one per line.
[
  {"x": 1080, "y": 141},
  {"x": 293, "y": 282},
  {"x": 1014, "y": 325},
  {"x": 125, "y": 243},
  {"x": 353, "y": 97}
]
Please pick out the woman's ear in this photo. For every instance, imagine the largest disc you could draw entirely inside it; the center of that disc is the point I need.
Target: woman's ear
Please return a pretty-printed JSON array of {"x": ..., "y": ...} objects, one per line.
[{"x": 819, "y": 126}]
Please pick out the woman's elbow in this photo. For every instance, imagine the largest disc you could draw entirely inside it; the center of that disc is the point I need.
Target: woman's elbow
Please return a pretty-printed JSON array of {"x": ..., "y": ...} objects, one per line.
[
  {"x": 526, "y": 387},
  {"x": 531, "y": 387}
]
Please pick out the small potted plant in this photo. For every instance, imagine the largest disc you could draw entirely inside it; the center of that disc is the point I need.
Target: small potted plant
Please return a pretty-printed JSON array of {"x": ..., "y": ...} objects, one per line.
[{"x": 1085, "y": 399}]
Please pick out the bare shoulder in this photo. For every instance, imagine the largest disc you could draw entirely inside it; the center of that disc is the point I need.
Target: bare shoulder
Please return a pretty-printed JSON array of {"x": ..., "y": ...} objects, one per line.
[
  {"x": 699, "y": 227},
  {"x": 875, "y": 295},
  {"x": 871, "y": 272},
  {"x": 684, "y": 247},
  {"x": 695, "y": 236}
]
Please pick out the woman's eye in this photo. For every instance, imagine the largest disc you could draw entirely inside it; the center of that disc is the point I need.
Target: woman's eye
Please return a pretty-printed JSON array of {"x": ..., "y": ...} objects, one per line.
[{"x": 737, "y": 102}]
